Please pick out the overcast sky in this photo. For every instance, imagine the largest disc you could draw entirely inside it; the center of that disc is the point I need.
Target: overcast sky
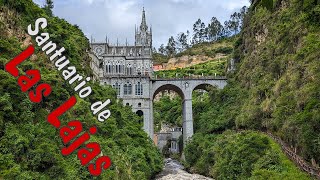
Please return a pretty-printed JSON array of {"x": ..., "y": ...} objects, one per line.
[{"x": 117, "y": 18}]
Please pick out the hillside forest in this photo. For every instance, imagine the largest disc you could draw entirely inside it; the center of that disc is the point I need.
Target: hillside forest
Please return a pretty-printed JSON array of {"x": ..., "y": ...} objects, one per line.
[{"x": 273, "y": 88}]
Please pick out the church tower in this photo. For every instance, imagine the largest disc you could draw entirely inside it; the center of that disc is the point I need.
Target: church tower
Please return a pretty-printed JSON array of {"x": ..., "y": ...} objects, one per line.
[{"x": 143, "y": 36}]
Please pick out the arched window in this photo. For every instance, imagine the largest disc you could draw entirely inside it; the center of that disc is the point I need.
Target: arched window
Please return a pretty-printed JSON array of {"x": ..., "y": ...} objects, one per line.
[
  {"x": 139, "y": 104},
  {"x": 127, "y": 89},
  {"x": 139, "y": 89},
  {"x": 139, "y": 113},
  {"x": 117, "y": 87}
]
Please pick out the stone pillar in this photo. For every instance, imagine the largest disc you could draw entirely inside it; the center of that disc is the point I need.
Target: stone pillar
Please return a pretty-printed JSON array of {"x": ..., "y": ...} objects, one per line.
[
  {"x": 187, "y": 120},
  {"x": 146, "y": 121},
  {"x": 151, "y": 123}
]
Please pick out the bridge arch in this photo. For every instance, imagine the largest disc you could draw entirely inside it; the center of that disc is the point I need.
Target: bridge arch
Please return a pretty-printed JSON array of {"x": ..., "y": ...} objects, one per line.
[
  {"x": 171, "y": 87},
  {"x": 204, "y": 86}
]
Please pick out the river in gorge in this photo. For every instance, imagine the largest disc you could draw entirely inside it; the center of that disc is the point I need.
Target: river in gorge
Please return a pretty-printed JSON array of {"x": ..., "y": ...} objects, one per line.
[{"x": 173, "y": 170}]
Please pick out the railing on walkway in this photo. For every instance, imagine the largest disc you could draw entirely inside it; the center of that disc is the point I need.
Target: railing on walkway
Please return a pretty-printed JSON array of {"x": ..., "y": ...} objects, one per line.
[
  {"x": 300, "y": 162},
  {"x": 190, "y": 78},
  {"x": 166, "y": 78}
]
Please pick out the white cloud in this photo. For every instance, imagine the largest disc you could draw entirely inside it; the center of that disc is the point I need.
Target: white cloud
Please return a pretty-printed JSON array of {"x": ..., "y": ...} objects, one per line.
[
  {"x": 117, "y": 18},
  {"x": 231, "y": 5}
]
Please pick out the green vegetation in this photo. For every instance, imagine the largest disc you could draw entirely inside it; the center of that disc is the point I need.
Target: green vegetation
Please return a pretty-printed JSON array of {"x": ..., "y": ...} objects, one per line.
[
  {"x": 29, "y": 146},
  {"x": 210, "y": 68},
  {"x": 210, "y": 49},
  {"x": 201, "y": 34},
  {"x": 275, "y": 87},
  {"x": 159, "y": 58},
  {"x": 168, "y": 111},
  {"x": 244, "y": 155}
]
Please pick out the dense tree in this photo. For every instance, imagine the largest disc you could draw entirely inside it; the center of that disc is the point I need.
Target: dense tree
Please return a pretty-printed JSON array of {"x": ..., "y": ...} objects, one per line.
[
  {"x": 226, "y": 29},
  {"x": 243, "y": 13},
  {"x": 154, "y": 50},
  {"x": 234, "y": 22},
  {"x": 162, "y": 49},
  {"x": 171, "y": 48},
  {"x": 168, "y": 111},
  {"x": 214, "y": 29},
  {"x": 244, "y": 155},
  {"x": 182, "y": 41},
  {"x": 199, "y": 32},
  {"x": 48, "y": 7}
]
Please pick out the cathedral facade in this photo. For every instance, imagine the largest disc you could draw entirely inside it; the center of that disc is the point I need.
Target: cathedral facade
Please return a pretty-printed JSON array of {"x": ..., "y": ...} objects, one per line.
[{"x": 128, "y": 69}]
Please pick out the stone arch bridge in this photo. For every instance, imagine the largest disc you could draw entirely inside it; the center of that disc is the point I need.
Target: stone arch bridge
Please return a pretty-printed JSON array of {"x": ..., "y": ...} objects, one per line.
[{"x": 184, "y": 87}]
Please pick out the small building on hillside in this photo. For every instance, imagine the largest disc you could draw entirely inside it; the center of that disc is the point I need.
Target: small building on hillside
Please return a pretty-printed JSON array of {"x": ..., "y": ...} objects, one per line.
[
  {"x": 172, "y": 136},
  {"x": 157, "y": 67}
]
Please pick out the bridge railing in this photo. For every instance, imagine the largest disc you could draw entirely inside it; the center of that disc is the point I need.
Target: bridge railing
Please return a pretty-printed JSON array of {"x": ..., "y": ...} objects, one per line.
[
  {"x": 191, "y": 78},
  {"x": 125, "y": 76},
  {"x": 166, "y": 78}
]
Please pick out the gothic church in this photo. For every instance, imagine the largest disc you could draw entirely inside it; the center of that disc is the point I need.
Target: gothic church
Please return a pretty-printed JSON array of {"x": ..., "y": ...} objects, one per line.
[{"x": 127, "y": 69}]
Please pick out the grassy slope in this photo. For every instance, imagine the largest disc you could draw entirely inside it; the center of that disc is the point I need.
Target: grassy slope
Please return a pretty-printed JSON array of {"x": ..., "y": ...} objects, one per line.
[
  {"x": 210, "y": 50},
  {"x": 210, "y": 68},
  {"x": 29, "y": 146}
]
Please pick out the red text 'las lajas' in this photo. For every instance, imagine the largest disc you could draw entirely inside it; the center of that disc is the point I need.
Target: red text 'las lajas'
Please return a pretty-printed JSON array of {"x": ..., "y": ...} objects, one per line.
[{"x": 69, "y": 133}]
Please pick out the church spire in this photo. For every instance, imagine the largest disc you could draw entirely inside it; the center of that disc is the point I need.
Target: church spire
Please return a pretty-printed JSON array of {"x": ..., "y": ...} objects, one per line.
[{"x": 143, "y": 26}]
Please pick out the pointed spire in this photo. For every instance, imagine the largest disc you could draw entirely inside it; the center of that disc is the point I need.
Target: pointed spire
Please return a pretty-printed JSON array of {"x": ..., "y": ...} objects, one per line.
[
  {"x": 106, "y": 38},
  {"x": 144, "y": 21},
  {"x": 117, "y": 42}
]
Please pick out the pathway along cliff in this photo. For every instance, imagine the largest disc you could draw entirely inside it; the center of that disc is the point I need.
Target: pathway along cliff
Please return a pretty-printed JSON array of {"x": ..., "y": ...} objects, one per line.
[{"x": 173, "y": 170}]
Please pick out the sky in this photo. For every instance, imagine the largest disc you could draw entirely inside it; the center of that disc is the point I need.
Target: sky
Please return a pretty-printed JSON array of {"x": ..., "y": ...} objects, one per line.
[{"x": 117, "y": 18}]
